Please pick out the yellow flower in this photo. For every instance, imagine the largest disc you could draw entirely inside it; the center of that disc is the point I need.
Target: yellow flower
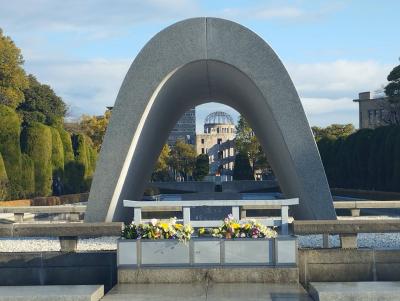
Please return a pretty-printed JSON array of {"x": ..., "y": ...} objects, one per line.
[
  {"x": 235, "y": 226},
  {"x": 178, "y": 226},
  {"x": 164, "y": 226}
]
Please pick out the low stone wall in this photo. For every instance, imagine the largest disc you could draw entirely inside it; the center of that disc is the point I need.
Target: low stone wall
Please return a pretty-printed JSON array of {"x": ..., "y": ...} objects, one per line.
[
  {"x": 206, "y": 187},
  {"x": 348, "y": 265},
  {"x": 57, "y": 268}
]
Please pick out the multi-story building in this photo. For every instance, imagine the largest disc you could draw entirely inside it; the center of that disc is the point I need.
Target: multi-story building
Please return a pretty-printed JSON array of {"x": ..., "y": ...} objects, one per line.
[
  {"x": 218, "y": 142},
  {"x": 372, "y": 113},
  {"x": 185, "y": 129}
]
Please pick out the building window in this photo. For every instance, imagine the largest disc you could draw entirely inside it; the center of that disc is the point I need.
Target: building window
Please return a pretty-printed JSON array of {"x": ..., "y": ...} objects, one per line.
[
  {"x": 202, "y": 150},
  {"x": 219, "y": 141},
  {"x": 370, "y": 116},
  {"x": 217, "y": 130},
  {"x": 202, "y": 141},
  {"x": 220, "y": 155}
]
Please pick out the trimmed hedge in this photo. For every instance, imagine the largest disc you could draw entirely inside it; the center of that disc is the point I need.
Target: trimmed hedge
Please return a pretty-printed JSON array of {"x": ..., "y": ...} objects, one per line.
[
  {"x": 85, "y": 154},
  {"x": 367, "y": 159},
  {"x": 39, "y": 147},
  {"x": 27, "y": 176},
  {"x": 67, "y": 145},
  {"x": 10, "y": 125},
  {"x": 57, "y": 153},
  {"x": 242, "y": 169},
  {"x": 74, "y": 177},
  {"x": 4, "y": 184}
]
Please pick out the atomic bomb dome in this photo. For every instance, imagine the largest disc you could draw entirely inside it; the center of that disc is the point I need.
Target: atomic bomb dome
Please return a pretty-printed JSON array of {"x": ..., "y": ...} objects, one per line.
[{"x": 218, "y": 118}]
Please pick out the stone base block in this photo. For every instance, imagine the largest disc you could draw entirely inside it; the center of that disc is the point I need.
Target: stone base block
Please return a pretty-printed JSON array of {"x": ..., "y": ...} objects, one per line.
[
  {"x": 356, "y": 291},
  {"x": 217, "y": 275},
  {"x": 52, "y": 293}
]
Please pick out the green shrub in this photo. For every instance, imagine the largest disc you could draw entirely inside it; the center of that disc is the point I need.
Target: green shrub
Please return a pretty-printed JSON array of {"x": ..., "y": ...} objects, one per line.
[
  {"x": 10, "y": 125},
  {"x": 367, "y": 159},
  {"x": 84, "y": 153},
  {"x": 39, "y": 147},
  {"x": 4, "y": 184},
  {"x": 67, "y": 145},
  {"x": 57, "y": 154},
  {"x": 27, "y": 176},
  {"x": 242, "y": 169},
  {"x": 202, "y": 167},
  {"x": 74, "y": 177},
  {"x": 92, "y": 160}
]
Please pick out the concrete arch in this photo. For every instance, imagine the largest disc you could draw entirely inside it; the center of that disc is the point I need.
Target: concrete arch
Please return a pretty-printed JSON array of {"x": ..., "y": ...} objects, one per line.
[{"x": 189, "y": 63}]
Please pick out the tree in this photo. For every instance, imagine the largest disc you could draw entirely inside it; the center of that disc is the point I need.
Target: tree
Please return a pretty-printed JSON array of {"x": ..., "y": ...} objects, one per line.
[
  {"x": 392, "y": 90},
  {"x": 183, "y": 158},
  {"x": 41, "y": 104},
  {"x": 4, "y": 184},
  {"x": 95, "y": 127},
  {"x": 160, "y": 172},
  {"x": 242, "y": 169},
  {"x": 202, "y": 167},
  {"x": 12, "y": 76},
  {"x": 333, "y": 131},
  {"x": 247, "y": 143},
  {"x": 27, "y": 176},
  {"x": 37, "y": 144},
  {"x": 57, "y": 153},
  {"x": 10, "y": 129}
]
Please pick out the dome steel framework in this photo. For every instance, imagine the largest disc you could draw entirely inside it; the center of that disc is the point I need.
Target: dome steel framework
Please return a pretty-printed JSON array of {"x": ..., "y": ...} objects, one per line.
[{"x": 219, "y": 117}]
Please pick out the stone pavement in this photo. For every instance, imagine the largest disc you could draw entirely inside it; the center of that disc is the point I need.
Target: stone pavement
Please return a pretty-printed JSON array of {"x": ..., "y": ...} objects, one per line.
[
  {"x": 211, "y": 292},
  {"x": 355, "y": 291},
  {"x": 52, "y": 293}
]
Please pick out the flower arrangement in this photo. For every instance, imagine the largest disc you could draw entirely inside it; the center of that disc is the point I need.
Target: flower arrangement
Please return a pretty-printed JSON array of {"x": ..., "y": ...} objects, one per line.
[
  {"x": 158, "y": 229},
  {"x": 231, "y": 228}
]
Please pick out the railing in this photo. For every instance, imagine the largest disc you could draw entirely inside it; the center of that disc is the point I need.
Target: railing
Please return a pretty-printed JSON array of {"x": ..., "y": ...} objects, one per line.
[
  {"x": 72, "y": 210},
  {"x": 184, "y": 206},
  {"x": 346, "y": 229}
]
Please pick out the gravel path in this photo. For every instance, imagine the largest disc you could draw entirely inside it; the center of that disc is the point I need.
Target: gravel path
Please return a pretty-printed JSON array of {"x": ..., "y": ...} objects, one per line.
[{"x": 365, "y": 240}]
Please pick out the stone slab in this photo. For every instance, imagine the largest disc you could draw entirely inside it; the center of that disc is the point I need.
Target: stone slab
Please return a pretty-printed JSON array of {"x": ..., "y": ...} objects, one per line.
[
  {"x": 345, "y": 226},
  {"x": 67, "y": 229},
  {"x": 52, "y": 293},
  {"x": 344, "y": 291},
  {"x": 215, "y": 275},
  {"x": 211, "y": 292}
]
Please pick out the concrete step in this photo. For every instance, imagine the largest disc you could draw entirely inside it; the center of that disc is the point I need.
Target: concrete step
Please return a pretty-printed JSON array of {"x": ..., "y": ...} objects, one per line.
[
  {"x": 52, "y": 293},
  {"x": 210, "y": 292},
  {"x": 231, "y": 274},
  {"x": 362, "y": 291}
]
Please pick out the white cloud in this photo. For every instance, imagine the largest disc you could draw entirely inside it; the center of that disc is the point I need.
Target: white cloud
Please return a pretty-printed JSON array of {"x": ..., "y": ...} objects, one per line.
[
  {"x": 87, "y": 86},
  {"x": 90, "y": 15},
  {"x": 337, "y": 79},
  {"x": 264, "y": 13}
]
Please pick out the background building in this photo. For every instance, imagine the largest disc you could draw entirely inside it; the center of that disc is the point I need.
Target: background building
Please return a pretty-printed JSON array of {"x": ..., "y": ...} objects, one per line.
[
  {"x": 218, "y": 143},
  {"x": 185, "y": 129},
  {"x": 372, "y": 111}
]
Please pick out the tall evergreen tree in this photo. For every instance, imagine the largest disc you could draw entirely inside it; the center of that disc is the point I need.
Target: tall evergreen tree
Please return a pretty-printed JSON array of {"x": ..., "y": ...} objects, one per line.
[{"x": 12, "y": 76}]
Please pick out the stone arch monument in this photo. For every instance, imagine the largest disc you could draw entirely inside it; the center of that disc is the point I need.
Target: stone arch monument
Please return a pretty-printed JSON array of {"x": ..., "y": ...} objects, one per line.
[{"x": 189, "y": 63}]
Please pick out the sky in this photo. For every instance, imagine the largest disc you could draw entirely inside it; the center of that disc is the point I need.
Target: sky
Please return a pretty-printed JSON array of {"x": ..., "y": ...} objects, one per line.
[{"x": 332, "y": 49}]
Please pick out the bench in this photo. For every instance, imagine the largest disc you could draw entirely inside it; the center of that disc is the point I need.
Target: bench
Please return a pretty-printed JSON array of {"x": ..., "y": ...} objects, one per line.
[
  {"x": 67, "y": 233},
  {"x": 355, "y": 206},
  {"x": 347, "y": 229},
  {"x": 184, "y": 206},
  {"x": 72, "y": 210}
]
